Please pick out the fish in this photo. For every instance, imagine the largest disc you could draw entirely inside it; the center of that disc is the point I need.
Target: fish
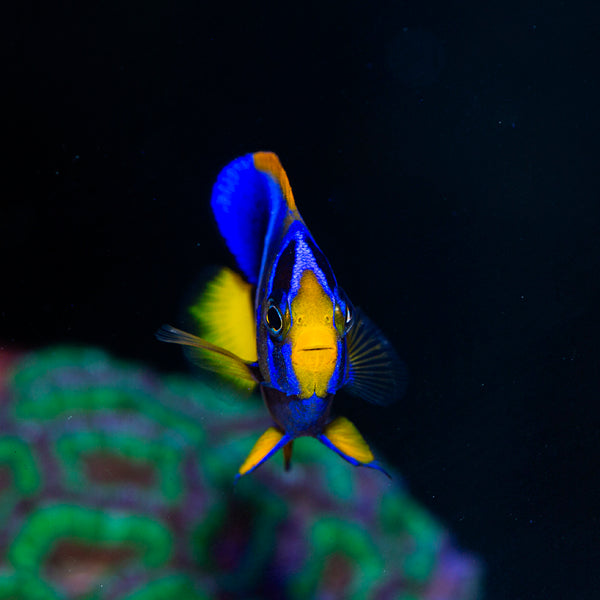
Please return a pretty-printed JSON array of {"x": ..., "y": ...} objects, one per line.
[{"x": 283, "y": 324}]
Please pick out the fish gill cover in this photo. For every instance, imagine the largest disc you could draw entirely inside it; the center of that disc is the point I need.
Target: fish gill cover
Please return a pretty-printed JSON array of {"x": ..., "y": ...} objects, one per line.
[{"x": 116, "y": 483}]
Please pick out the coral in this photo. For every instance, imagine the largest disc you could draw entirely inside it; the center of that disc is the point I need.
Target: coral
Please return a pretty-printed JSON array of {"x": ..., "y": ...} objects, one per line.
[{"x": 118, "y": 483}]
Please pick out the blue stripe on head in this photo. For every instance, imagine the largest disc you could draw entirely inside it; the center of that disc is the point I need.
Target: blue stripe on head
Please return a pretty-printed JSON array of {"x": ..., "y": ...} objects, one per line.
[
  {"x": 288, "y": 383},
  {"x": 273, "y": 371},
  {"x": 281, "y": 373},
  {"x": 307, "y": 258}
]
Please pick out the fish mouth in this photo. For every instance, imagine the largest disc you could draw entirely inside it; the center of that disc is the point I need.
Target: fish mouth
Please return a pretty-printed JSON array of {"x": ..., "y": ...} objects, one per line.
[
  {"x": 318, "y": 342},
  {"x": 316, "y": 348},
  {"x": 309, "y": 361}
]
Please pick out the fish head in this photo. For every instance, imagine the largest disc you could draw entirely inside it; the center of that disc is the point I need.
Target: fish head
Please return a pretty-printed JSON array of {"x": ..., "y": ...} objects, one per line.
[{"x": 303, "y": 320}]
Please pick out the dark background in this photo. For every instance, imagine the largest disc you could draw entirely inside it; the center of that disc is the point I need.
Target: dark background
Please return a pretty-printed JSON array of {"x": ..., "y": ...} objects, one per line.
[{"x": 444, "y": 156}]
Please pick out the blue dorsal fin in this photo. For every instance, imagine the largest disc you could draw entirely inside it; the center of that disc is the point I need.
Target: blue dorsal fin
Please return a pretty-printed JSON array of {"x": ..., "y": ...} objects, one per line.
[{"x": 250, "y": 201}]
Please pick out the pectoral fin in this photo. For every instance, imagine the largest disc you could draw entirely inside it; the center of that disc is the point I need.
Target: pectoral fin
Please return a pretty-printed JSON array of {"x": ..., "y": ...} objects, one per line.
[
  {"x": 345, "y": 439},
  {"x": 266, "y": 445},
  {"x": 375, "y": 372},
  {"x": 211, "y": 357},
  {"x": 223, "y": 314}
]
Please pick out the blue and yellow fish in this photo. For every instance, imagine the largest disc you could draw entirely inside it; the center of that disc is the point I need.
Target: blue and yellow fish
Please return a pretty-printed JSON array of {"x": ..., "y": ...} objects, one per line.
[{"x": 300, "y": 340}]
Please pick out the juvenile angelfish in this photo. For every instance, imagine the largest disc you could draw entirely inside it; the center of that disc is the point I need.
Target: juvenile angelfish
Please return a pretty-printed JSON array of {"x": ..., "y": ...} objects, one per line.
[{"x": 299, "y": 339}]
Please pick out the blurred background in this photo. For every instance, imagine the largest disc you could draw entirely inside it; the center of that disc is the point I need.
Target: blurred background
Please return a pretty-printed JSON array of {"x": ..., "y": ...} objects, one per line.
[{"x": 444, "y": 156}]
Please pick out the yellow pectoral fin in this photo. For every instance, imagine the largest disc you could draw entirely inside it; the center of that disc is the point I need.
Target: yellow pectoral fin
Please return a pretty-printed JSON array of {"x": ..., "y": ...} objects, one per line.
[
  {"x": 209, "y": 356},
  {"x": 267, "y": 444},
  {"x": 224, "y": 314},
  {"x": 224, "y": 317}
]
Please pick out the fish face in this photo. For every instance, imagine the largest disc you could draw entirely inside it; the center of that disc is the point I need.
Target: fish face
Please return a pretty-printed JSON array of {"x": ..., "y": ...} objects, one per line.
[
  {"x": 303, "y": 322},
  {"x": 313, "y": 338}
]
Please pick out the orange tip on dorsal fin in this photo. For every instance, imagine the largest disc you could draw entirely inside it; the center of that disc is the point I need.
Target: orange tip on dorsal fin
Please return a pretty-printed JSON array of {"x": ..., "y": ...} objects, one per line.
[
  {"x": 268, "y": 162},
  {"x": 266, "y": 445}
]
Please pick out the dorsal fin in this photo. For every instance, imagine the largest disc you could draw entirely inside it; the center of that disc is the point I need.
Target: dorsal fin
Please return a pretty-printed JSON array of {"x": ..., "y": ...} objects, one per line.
[{"x": 250, "y": 201}]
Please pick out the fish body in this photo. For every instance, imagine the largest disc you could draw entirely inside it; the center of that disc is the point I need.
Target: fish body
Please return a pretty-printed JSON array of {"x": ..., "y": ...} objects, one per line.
[{"x": 302, "y": 340}]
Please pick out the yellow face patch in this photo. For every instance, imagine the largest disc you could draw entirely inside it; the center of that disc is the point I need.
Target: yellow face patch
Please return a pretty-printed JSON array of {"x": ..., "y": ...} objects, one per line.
[{"x": 313, "y": 337}]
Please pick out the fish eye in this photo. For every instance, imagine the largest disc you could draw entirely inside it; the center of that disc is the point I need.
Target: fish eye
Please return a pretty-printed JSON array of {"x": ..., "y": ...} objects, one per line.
[
  {"x": 349, "y": 321},
  {"x": 344, "y": 313},
  {"x": 274, "y": 319},
  {"x": 349, "y": 316}
]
